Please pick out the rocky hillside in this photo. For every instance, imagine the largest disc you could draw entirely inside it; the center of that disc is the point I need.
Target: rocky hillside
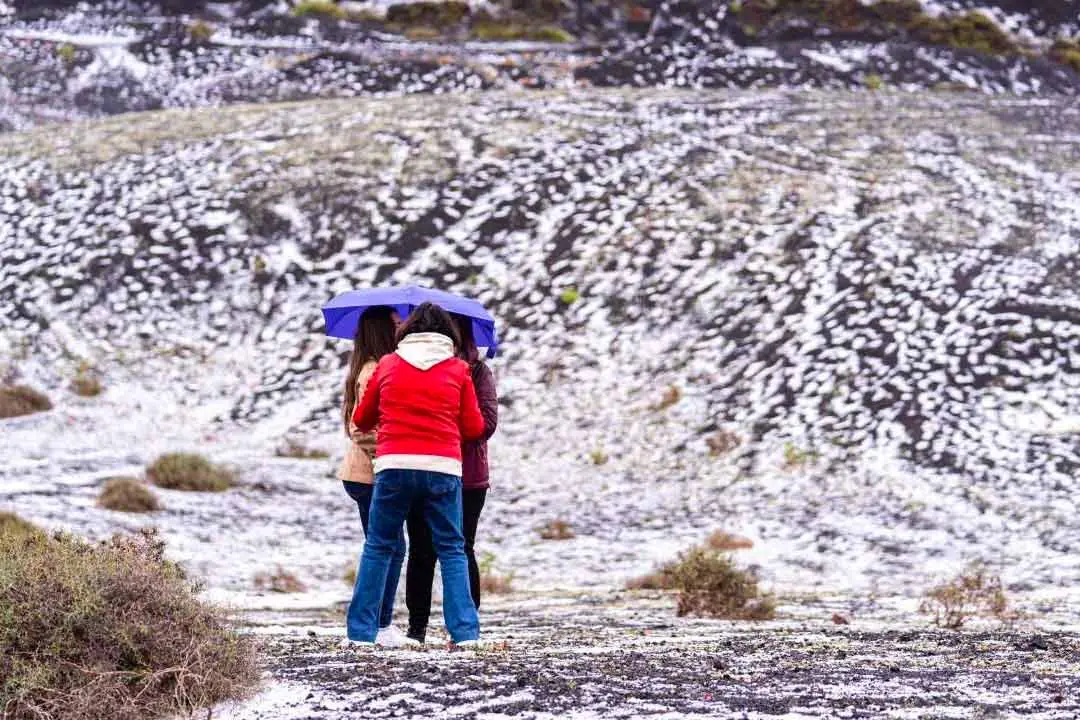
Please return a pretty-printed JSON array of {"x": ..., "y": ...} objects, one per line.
[
  {"x": 848, "y": 325},
  {"x": 62, "y": 59}
]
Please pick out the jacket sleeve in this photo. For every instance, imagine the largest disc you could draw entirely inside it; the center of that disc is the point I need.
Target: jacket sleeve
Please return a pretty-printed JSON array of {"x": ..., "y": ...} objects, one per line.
[
  {"x": 365, "y": 440},
  {"x": 488, "y": 398},
  {"x": 366, "y": 415},
  {"x": 471, "y": 421}
]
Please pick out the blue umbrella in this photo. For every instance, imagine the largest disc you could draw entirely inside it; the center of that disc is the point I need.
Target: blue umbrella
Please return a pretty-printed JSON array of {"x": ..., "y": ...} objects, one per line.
[{"x": 343, "y": 312}]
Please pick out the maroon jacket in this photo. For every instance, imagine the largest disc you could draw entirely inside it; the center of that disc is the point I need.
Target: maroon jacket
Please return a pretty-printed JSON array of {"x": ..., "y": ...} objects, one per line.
[{"x": 474, "y": 455}]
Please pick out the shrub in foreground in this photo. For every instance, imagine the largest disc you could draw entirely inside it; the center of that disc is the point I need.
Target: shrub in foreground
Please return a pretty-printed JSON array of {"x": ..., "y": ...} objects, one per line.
[
  {"x": 710, "y": 585},
  {"x": 11, "y": 525},
  {"x": 557, "y": 530},
  {"x": 972, "y": 593},
  {"x": 293, "y": 448},
  {"x": 110, "y": 631},
  {"x": 16, "y": 400},
  {"x": 187, "y": 471},
  {"x": 127, "y": 494}
]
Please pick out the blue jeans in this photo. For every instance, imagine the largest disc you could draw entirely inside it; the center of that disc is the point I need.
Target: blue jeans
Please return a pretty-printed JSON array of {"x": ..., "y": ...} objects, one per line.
[
  {"x": 440, "y": 496},
  {"x": 361, "y": 493}
]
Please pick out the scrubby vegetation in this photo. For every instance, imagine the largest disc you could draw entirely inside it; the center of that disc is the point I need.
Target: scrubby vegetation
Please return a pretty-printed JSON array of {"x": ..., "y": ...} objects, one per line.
[
  {"x": 971, "y": 30},
  {"x": 1067, "y": 52},
  {"x": 557, "y": 530},
  {"x": 319, "y": 8},
  {"x": 497, "y": 31},
  {"x": 491, "y": 581},
  {"x": 188, "y": 471},
  {"x": 201, "y": 31},
  {"x": 292, "y": 448},
  {"x": 128, "y": 494},
  {"x": 11, "y": 525},
  {"x": 670, "y": 398},
  {"x": 710, "y": 585},
  {"x": 87, "y": 381},
  {"x": 428, "y": 13},
  {"x": 971, "y": 594},
  {"x": 722, "y": 442},
  {"x": 725, "y": 542},
  {"x": 66, "y": 53},
  {"x": 569, "y": 296},
  {"x": 110, "y": 631},
  {"x": 17, "y": 400},
  {"x": 279, "y": 581},
  {"x": 598, "y": 457}
]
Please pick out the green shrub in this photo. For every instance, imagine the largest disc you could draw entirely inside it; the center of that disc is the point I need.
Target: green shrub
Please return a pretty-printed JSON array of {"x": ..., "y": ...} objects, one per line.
[
  {"x": 437, "y": 14},
  {"x": 491, "y": 31},
  {"x": 598, "y": 457},
  {"x": 66, "y": 53},
  {"x": 16, "y": 400},
  {"x": 318, "y": 8},
  {"x": 187, "y": 471},
  {"x": 972, "y": 593},
  {"x": 1067, "y": 52},
  {"x": 569, "y": 296},
  {"x": 110, "y": 631},
  {"x": 550, "y": 34},
  {"x": 201, "y": 31},
  {"x": 874, "y": 82},
  {"x": 127, "y": 494},
  {"x": 971, "y": 30},
  {"x": 710, "y": 585}
]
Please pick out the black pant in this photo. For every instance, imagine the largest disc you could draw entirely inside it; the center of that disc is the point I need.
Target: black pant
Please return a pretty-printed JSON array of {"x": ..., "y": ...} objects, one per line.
[{"x": 420, "y": 573}]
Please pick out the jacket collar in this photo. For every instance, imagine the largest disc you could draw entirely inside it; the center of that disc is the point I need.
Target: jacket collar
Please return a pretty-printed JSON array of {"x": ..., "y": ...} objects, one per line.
[{"x": 425, "y": 350}]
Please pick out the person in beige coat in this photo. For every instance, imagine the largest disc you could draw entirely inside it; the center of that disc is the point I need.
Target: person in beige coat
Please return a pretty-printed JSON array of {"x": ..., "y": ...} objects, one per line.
[{"x": 375, "y": 337}]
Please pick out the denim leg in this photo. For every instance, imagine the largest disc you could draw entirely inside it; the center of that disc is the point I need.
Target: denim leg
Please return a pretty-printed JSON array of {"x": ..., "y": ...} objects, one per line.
[
  {"x": 362, "y": 493},
  {"x": 389, "y": 503},
  {"x": 442, "y": 508}
]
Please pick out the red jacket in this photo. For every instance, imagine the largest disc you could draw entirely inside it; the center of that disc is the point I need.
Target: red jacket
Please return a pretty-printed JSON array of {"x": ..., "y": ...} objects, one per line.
[{"x": 424, "y": 403}]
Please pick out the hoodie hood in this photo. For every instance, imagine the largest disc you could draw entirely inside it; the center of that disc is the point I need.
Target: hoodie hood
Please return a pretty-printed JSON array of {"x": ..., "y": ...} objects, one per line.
[{"x": 425, "y": 350}]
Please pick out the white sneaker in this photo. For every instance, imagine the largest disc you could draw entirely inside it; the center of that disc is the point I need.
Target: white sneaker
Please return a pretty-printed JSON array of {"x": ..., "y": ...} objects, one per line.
[{"x": 391, "y": 637}]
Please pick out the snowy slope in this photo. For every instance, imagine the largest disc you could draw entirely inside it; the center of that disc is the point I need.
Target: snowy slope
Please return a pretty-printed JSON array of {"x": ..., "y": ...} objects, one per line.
[{"x": 874, "y": 301}]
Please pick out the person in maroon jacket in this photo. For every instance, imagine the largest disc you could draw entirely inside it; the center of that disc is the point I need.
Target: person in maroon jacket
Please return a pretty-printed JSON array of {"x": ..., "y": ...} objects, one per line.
[
  {"x": 420, "y": 573},
  {"x": 423, "y": 400}
]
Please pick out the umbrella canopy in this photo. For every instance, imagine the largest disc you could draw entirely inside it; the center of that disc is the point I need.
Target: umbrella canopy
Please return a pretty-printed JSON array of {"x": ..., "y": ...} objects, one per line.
[{"x": 343, "y": 312}]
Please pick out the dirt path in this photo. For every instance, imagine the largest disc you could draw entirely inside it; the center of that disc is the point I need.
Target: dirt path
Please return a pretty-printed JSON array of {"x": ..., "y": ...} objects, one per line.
[{"x": 620, "y": 656}]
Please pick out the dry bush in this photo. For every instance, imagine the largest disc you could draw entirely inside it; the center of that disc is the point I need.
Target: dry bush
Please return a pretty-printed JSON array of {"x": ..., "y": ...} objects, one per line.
[
  {"x": 659, "y": 579},
  {"x": 350, "y": 576},
  {"x": 972, "y": 593},
  {"x": 725, "y": 541},
  {"x": 279, "y": 581},
  {"x": 722, "y": 442},
  {"x": 671, "y": 397},
  {"x": 187, "y": 471},
  {"x": 127, "y": 494},
  {"x": 557, "y": 530},
  {"x": 490, "y": 581},
  {"x": 16, "y": 400},
  {"x": 11, "y": 525},
  {"x": 599, "y": 457},
  {"x": 110, "y": 631},
  {"x": 295, "y": 449},
  {"x": 710, "y": 585},
  {"x": 87, "y": 382}
]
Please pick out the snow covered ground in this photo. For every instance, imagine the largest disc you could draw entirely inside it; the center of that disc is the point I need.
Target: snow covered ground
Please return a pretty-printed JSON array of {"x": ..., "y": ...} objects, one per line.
[{"x": 848, "y": 329}]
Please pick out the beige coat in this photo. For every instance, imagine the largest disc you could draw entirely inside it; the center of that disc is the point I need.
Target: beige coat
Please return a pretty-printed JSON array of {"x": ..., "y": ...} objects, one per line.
[{"x": 357, "y": 465}]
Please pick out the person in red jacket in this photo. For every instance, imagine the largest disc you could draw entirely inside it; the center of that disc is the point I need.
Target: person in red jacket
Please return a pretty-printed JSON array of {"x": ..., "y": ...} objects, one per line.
[
  {"x": 474, "y": 480},
  {"x": 424, "y": 403}
]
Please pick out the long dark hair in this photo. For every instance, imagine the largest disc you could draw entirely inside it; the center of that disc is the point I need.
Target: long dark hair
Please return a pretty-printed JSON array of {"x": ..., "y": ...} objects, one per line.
[
  {"x": 374, "y": 338},
  {"x": 430, "y": 318},
  {"x": 466, "y": 349}
]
